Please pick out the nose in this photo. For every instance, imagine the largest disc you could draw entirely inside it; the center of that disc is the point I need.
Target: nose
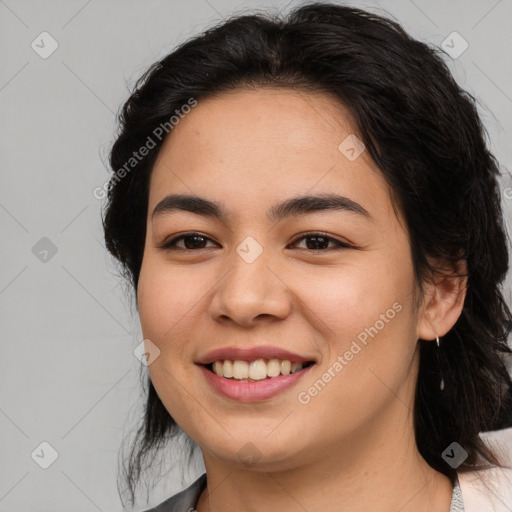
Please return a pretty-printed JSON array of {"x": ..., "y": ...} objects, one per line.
[{"x": 250, "y": 293}]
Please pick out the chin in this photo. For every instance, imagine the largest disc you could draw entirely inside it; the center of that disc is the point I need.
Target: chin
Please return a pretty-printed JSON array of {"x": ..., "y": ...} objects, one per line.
[{"x": 254, "y": 452}]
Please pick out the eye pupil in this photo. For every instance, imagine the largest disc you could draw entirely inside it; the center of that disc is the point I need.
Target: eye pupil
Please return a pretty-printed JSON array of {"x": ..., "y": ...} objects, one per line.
[
  {"x": 323, "y": 241},
  {"x": 197, "y": 243}
]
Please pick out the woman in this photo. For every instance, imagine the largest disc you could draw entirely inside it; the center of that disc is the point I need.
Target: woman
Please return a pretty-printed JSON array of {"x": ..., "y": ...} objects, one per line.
[{"x": 310, "y": 219}]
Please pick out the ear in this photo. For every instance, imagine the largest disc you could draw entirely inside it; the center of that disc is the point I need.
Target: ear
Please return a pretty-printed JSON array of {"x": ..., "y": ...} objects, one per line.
[{"x": 442, "y": 302}]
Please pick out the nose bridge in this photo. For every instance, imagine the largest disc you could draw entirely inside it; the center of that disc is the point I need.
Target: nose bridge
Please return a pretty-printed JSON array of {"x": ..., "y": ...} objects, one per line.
[{"x": 250, "y": 288}]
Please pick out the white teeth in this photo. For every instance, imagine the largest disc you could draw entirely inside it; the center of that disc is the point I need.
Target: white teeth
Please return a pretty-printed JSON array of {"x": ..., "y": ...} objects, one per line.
[
  {"x": 240, "y": 369},
  {"x": 286, "y": 367},
  {"x": 218, "y": 368},
  {"x": 258, "y": 370},
  {"x": 227, "y": 368},
  {"x": 255, "y": 370},
  {"x": 273, "y": 368}
]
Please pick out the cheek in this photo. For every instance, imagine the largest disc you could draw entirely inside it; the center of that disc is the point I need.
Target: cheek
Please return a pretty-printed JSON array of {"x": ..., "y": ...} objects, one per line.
[
  {"x": 169, "y": 305},
  {"x": 348, "y": 299},
  {"x": 341, "y": 298},
  {"x": 365, "y": 315},
  {"x": 167, "y": 297}
]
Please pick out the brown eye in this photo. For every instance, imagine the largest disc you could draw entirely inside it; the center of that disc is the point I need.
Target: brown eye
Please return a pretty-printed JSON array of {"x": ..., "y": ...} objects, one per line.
[
  {"x": 320, "y": 242},
  {"x": 191, "y": 241}
]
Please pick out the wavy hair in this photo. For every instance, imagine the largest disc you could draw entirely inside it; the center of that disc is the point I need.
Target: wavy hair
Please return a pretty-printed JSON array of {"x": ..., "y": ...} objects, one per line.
[{"x": 424, "y": 133}]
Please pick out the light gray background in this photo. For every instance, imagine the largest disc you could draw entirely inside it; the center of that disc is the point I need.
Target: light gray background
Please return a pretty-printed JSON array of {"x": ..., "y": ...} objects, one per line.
[{"x": 67, "y": 372}]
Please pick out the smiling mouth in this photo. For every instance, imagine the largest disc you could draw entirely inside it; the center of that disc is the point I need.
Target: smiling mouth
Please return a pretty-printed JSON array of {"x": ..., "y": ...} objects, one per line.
[{"x": 255, "y": 371}]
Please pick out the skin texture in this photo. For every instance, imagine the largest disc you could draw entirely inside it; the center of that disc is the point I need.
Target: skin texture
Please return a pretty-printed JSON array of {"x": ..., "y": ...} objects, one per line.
[{"x": 351, "y": 447}]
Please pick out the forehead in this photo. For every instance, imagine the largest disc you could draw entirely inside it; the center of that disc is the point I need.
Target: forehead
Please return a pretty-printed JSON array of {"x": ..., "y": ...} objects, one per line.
[
  {"x": 266, "y": 144},
  {"x": 244, "y": 118}
]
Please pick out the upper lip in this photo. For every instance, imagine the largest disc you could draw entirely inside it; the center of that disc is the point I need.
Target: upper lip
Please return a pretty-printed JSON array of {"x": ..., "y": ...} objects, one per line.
[{"x": 251, "y": 354}]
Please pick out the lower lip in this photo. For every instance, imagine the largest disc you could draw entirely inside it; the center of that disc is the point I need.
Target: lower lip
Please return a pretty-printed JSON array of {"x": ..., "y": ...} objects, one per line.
[{"x": 252, "y": 391}]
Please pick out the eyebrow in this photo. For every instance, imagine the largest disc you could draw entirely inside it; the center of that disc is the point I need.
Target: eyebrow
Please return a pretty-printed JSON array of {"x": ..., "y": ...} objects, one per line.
[{"x": 290, "y": 207}]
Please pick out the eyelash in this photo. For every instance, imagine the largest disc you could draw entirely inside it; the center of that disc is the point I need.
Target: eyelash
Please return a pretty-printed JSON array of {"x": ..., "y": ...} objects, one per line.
[{"x": 170, "y": 244}]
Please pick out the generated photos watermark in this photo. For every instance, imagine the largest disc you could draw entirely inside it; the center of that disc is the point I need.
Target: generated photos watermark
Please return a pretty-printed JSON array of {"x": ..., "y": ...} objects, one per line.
[
  {"x": 304, "y": 397},
  {"x": 158, "y": 134}
]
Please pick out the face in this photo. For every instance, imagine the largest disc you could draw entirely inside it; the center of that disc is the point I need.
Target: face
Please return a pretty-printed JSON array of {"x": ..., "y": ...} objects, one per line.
[{"x": 326, "y": 283}]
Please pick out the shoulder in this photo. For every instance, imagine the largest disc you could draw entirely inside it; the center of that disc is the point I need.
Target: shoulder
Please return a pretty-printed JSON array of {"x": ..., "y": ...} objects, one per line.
[
  {"x": 490, "y": 489},
  {"x": 185, "y": 500}
]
